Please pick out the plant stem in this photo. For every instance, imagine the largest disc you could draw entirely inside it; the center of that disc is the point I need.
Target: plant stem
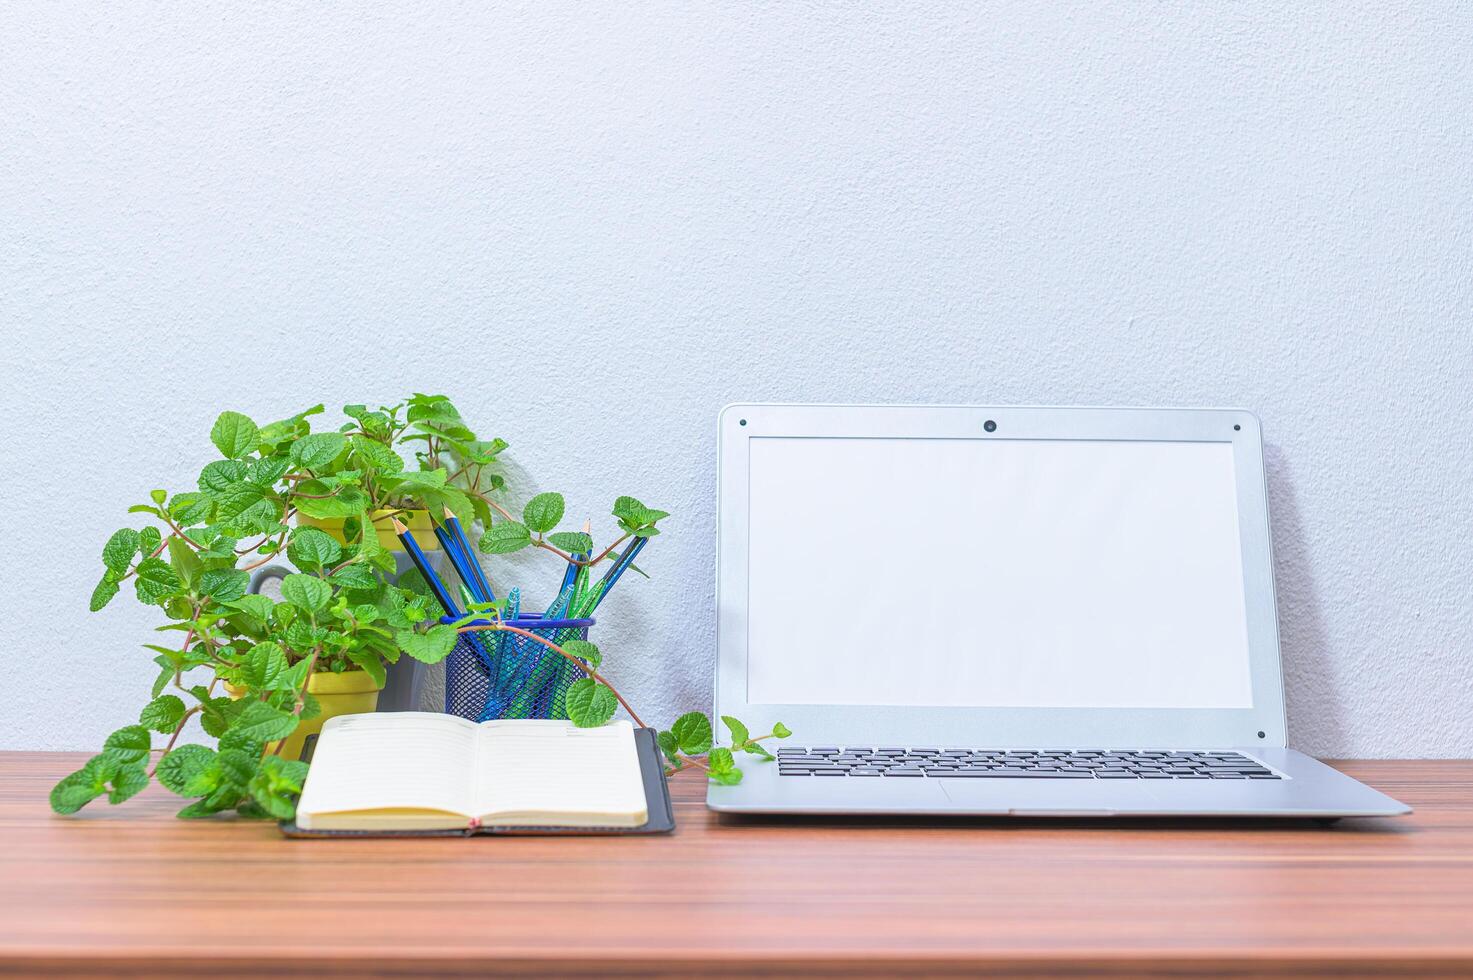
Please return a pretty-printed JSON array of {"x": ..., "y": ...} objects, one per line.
[
  {"x": 156, "y": 552},
  {"x": 502, "y": 627},
  {"x": 539, "y": 543},
  {"x": 174, "y": 738}
]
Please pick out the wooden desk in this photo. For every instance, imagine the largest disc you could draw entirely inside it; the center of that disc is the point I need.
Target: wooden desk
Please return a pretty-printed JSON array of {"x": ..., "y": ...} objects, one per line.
[{"x": 131, "y": 890}]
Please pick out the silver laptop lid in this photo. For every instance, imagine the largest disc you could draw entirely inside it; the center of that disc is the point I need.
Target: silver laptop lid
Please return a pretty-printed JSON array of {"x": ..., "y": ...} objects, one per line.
[{"x": 997, "y": 576}]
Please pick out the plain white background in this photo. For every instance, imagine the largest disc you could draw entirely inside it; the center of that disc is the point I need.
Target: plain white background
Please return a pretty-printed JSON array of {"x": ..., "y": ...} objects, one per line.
[
  {"x": 1042, "y": 573},
  {"x": 593, "y": 225}
]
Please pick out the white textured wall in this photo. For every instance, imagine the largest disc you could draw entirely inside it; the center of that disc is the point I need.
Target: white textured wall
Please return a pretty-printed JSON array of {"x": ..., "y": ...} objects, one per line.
[{"x": 593, "y": 224}]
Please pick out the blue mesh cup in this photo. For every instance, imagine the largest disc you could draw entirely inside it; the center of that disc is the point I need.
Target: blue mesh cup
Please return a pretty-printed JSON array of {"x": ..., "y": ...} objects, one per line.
[{"x": 502, "y": 675}]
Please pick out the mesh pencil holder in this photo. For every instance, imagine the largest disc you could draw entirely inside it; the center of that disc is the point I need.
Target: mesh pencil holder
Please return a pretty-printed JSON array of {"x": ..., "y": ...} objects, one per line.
[{"x": 503, "y": 675}]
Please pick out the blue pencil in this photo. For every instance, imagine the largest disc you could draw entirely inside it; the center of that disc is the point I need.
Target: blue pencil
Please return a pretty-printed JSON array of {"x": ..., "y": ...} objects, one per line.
[
  {"x": 453, "y": 552},
  {"x": 423, "y": 564},
  {"x": 564, "y": 597},
  {"x": 625, "y": 560},
  {"x": 469, "y": 554}
]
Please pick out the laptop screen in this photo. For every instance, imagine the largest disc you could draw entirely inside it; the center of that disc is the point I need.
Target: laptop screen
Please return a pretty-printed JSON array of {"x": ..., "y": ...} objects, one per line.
[{"x": 995, "y": 573}]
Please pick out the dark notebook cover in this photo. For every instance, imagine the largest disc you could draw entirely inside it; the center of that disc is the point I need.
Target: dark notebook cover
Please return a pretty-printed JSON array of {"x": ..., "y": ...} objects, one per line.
[{"x": 656, "y": 794}]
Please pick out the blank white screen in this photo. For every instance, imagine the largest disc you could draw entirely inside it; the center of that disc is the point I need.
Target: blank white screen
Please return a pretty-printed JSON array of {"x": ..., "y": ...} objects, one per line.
[{"x": 994, "y": 572}]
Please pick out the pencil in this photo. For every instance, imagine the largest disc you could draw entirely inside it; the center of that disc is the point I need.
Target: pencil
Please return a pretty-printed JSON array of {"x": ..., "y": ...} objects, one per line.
[
  {"x": 411, "y": 547},
  {"x": 453, "y": 552},
  {"x": 601, "y": 591},
  {"x": 469, "y": 553}
]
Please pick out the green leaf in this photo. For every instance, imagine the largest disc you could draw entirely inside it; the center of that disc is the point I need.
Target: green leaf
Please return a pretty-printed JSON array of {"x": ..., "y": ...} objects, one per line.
[
  {"x": 428, "y": 648},
  {"x": 376, "y": 454},
  {"x": 757, "y": 748},
  {"x": 148, "y": 540},
  {"x": 412, "y": 481},
  {"x": 221, "y": 476},
  {"x": 158, "y": 496},
  {"x": 307, "y": 592},
  {"x": 371, "y": 664},
  {"x": 259, "y": 606},
  {"x": 237, "y": 499},
  {"x": 312, "y": 548},
  {"x": 781, "y": 730},
  {"x": 188, "y": 509},
  {"x": 317, "y": 450},
  {"x": 265, "y": 668},
  {"x": 354, "y": 576},
  {"x": 573, "y": 542},
  {"x": 80, "y": 788},
  {"x": 693, "y": 732},
  {"x": 627, "y": 509},
  {"x": 128, "y": 745},
  {"x": 238, "y": 765},
  {"x": 217, "y": 714},
  {"x": 584, "y": 650},
  {"x": 275, "y": 433},
  {"x": 166, "y": 674},
  {"x": 543, "y": 512},
  {"x": 263, "y": 723},
  {"x": 739, "y": 733},
  {"x": 505, "y": 537},
  {"x": 302, "y": 636},
  {"x": 346, "y": 502},
  {"x": 632, "y": 514},
  {"x": 189, "y": 770},
  {"x": 223, "y": 798},
  {"x": 182, "y": 558},
  {"x": 162, "y": 714},
  {"x": 234, "y": 435},
  {"x": 670, "y": 745},
  {"x": 106, "y": 588},
  {"x": 224, "y": 584},
  {"x": 275, "y": 783},
  {"x": 590, "y": 703},
  {"x": 263, "y": 473},
  {"x": 118, "y": 553},
  {"x": 237, "y": 741},
  {"x": 127, "y": 783},
  {"x": 723, "y": 768}
]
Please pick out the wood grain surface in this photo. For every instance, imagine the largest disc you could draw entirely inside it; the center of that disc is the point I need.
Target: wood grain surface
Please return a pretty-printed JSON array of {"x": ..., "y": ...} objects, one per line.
[{"x": 131, "y": 891}]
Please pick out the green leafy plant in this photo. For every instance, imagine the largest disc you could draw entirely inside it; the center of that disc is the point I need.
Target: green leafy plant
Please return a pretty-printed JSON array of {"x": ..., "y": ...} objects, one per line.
[{"x": 338, "y": 612}]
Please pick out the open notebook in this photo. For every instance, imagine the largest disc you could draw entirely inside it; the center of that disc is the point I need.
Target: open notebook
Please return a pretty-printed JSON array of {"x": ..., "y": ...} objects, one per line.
[{"x": 413, "y": 771}]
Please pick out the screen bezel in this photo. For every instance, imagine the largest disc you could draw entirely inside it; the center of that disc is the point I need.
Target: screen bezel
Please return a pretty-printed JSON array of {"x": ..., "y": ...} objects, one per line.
[{"x": 1021, "y": 727}]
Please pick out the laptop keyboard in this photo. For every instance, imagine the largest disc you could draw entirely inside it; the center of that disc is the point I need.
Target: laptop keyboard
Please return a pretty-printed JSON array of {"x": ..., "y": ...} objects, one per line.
[{"x": 1017, "y": 763}]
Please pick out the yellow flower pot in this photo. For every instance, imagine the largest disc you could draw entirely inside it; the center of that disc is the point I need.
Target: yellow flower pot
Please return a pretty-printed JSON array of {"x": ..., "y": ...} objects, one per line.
[
  {"x": 418, "y": 522},
  {"x": 349, "y": 693}
]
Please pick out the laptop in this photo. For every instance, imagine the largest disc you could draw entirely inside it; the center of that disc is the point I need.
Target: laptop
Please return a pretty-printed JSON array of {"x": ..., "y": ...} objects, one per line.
[{"x": 1006, "y": 611}]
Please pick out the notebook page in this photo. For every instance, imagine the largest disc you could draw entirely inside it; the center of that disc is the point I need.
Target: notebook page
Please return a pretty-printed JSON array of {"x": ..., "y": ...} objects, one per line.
[
  {"x": 552, "y": 772},
  {"x": 395, "y": 760}
]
